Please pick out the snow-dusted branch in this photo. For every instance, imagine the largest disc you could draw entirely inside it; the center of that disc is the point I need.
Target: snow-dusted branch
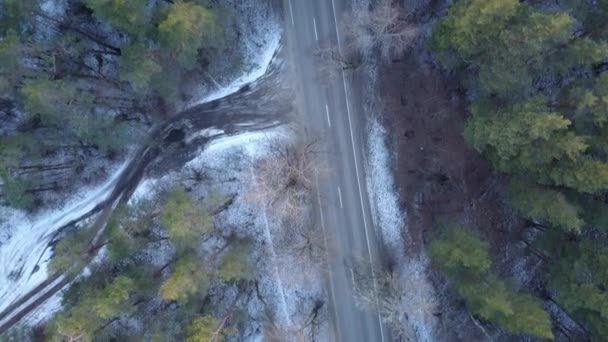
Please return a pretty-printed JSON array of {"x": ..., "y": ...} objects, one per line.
[
  {"x": 283, "y": 181},
  {"x": 385, "y": 27}
]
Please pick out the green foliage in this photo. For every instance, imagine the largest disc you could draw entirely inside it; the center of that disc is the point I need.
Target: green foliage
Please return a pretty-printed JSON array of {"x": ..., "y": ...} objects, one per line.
[
  {"x": 589, "y": 102},
  {"x": 203, "y": 329},
  {"x": 473, "y": 25},
  {"x": 459, "y": 252},
  {"x": 184, "y": 219},
  {"x": 78, "y": 324},
  {"x": 540, "y": 113},
  {"x": 13, "y": 13},
  {"x": 496, "y": 301},
  {"x": 128, "y": 228},
  {"x": 15, "y": 191},
  {"x": 584, "y": 175},
  {"x": 526, "y": 137},
  {"x": 464, "y": 257},
  {"x": 128, "y": 15},
  {"x": 138, "y": 66},
  {"x": 94, "y": 304},
  {"x": 234, "y": 265},
  {"x": 71, "y": 252},
  {"x": 187, "y": 279},
  {"x": 188, "y": 28},
  {"x": 49, "y": 99},
  {"x": 503, "y": 39},
  {"x": 9, "y": 53},
  {"x": 580, "y": 279},
  {"x": 583, "y": 51},
  {"x": 111, "y": 300},
  {"x": 545, "y": 205}
]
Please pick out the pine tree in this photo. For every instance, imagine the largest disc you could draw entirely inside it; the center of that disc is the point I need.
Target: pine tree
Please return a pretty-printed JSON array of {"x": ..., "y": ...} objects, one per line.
[
  {"x": 460, "y": 252},
  {"x": 473, "y": 25},
  {"x": 545, "y": 205},
  {"x": 525, "y": 137},
  {"x": 13, "y": 13},
  {"x": 184, "y": 219},
  {"x": 138, "y": 66},
  {"x": 128, "y": 15},
  {"x": 188, "y": 278},
  {"x": 464, "y": 257},
  {"x": 188, "y": 28},
  {"x": 580, "y": 279},
  {"x": 234, "y": 265},
  {"x": 113, "y": 299},
  {"x": 203, "y": 329}
]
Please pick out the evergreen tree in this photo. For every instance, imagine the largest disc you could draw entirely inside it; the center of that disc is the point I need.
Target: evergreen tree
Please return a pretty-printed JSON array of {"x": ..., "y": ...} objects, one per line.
[
  {"x": 545, "y": 205},
  {"x": 580, "y": 279},
  {"x": 188, "y": 28},
  {"x": 184, "y": 219},
  {"x": 234, "y": 264},
  {"x": 138, "y": 66},
  {"x": 203, "y": 329},
  {"x": 464, "y": 257},
  {"x": 187, "y": 279},
  {"x": 460, "y": 252},
  {"x": 128, "y": 15}
]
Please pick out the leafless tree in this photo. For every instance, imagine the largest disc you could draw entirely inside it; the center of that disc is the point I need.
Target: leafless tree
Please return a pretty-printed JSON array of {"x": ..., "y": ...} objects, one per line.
[
  {"x": 385, "y": 27},
  {"x": 283, "y": 181},
  {"x": 307, "y": 330},
  {"x": 306, "y": 244},
  {"x": 396, "y": 299}
]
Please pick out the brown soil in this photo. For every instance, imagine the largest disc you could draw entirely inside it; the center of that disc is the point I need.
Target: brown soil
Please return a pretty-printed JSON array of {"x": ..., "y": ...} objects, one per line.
[{"x": 438, "y": 176}]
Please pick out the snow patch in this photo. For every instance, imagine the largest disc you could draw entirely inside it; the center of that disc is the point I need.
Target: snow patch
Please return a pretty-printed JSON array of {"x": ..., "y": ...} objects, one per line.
[
  {"x": 388, "y": 218},
  {"x": 24, "y": 250},
  {"x": 260, "y": 36}
]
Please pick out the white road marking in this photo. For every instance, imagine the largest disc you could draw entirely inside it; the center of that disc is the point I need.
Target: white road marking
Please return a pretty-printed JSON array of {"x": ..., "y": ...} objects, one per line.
[
  {"x": 350, "y": 127},
  {"x": 293, "y": 23},
  {"x": 327, "y": 112},
  {"x": 340, "y": 196},
  {"x": 331, "y": 277},
  {"x": 314, "y": 24}
]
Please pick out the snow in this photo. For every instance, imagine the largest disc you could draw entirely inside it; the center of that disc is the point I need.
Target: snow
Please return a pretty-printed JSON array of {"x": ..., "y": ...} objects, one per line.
[
  {"x": 418, "y": 298},
  {"x": 228, "y": 162},
  {"x": 260, "y": 36},
  {"x": 24, "y": 244},
  {"x": 54, "y": 8},
  {"x": 388, "y": 218},
  {"x": 228, "y": 159}
]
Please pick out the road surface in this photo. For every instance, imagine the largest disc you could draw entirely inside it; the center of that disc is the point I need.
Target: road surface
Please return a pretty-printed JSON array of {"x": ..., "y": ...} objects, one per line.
[{"x": 331, "y": 111}]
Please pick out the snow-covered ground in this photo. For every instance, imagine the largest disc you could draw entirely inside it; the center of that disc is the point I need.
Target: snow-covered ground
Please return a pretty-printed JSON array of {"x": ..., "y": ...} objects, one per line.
[
  {"x": 390, "y": 220},
  {"x": 24, "y": 251},
  {"x": 24, "y": 240},
  {"x": 228, "y": 165},
  {"x": 417, "y": 297},
  {"x": 259, "y": 38}
]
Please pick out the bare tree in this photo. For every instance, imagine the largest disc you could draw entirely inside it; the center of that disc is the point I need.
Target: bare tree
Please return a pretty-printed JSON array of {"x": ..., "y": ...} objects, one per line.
[
  {"x": 400, "y": 301},
  {"x": 385, "y": 28},
  {"x": 283, "y": 181},
  {"x": 305, "y": 244},
  {"x": 313, "y": 320}
]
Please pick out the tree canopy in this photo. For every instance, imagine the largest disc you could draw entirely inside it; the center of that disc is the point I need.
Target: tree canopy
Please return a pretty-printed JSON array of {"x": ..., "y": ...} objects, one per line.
[{"x": 538, "y": 112}]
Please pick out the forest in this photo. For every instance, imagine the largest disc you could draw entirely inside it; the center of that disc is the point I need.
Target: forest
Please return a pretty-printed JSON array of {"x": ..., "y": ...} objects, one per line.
[
  {"x": 109, "y": 69},
  {"x": 79, "y": 91},
  {"x": 534, "y": 77},
  {"x": 76, "y": 92}
]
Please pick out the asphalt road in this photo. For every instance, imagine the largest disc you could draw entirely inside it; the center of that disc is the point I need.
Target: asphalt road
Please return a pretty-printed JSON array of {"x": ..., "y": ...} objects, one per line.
[{"x": 334, "y": 113}]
